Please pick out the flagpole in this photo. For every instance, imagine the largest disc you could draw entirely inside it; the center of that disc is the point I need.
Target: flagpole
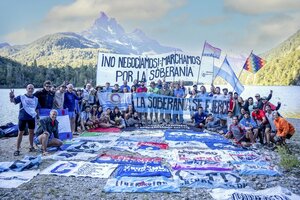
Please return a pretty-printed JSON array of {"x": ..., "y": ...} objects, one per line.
[
  {"x": 212, "y": 78},
  {"x": 242, "y": 71},
  {"x": 200, "y": 63},
  {"x": 174, "y": 65}
]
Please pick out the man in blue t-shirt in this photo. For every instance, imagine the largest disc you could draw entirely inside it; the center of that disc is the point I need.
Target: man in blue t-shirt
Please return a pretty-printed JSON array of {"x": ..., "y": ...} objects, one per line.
[
  {"x": 200, "y": 118},
  {"x": 27, "y": 114}
]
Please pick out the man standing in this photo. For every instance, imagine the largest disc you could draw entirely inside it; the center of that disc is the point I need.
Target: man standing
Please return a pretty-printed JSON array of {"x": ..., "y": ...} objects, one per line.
[
  {"x": 124, "y": 86},
  {"x": 69, "y": 102},
  {"x": 45, "y": 96},
  {"x": 59, "y": 96},
  {"x": 178, "y": 93},
  {"x": 166, "y": 92},
  {"x": 47, "y": 133},
  {"x": 28, "y": 111}
]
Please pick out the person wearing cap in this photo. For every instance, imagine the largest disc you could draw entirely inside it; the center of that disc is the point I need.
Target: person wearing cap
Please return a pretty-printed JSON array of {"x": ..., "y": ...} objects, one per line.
[
  {"x": 272, "y": 106},
  {"x": 153, "y": 90},
  {"x": 284, "y": 129},
  {"x": 238, "y": 132},
  {"x": 259, "y": 102},
  {"x": 259, "y": 116},
  {"x": 212, "y": 123},
  {"x": 250, "y": 126},
  {"x": 58, "y": 102}
]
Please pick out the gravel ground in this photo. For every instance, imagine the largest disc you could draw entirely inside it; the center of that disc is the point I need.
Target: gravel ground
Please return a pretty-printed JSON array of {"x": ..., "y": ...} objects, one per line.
[{"x": 59, "y": 187}]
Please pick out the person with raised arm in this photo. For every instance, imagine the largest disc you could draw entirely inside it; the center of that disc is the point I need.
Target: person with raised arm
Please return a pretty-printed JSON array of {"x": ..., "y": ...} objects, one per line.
[{"x": 27, "y": 115}]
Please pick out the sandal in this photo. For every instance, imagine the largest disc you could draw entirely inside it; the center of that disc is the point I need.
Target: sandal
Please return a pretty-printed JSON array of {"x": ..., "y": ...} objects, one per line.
[
  {"x": 17, "y": 153},
  {"x": 45, "y": 153},
  {"x": 32, "y": 149}
]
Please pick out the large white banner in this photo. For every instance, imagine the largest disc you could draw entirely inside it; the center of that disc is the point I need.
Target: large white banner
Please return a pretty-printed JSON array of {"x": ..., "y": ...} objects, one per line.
[{"x": 115, "y": 68}]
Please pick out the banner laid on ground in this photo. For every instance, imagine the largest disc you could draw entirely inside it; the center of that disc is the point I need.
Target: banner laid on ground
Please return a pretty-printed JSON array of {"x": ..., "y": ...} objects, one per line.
[
  {"x": 201, "y": 165},
  {"x": 64, "y": 155},
  {"x": 144, "y": 102},
  {"x": 11, "y": 179},
  {"x": 88, "y": 146},
  {"x": 199, "y": 179},
  {"x": 64, "y": 127},
  {"x": 169, "y": 66},
  {"x": 110, "y": 100},
  {"x": 118, "y": 159},
  {"x": 255, "y": 168},
  {"x": 205, "y": 155},
  {"x": 142, "y": 184},
  {"x": 143, "y": 170},
  {"x": 86, "y": 169},
  {"x": 278, "y": 193}
]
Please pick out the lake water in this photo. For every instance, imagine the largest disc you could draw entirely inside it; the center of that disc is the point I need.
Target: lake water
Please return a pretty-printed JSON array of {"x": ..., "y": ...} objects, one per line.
[{"x": 289, "y": 96}]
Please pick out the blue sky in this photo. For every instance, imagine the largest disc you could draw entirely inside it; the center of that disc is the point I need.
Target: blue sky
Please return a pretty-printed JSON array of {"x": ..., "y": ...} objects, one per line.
[{"x": 233, "y": 25}]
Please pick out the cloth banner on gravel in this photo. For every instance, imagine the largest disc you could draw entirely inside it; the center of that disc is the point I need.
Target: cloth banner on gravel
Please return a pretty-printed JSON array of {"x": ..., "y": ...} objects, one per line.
[
  {"x": 85, "y": 169},
  {"x": 105, "y": 130},
  {"x": 278, "y": 193},
  {"x": 199, "y": 179},
  {"x": 184, "y": 144},
  {"x": 152, "y": 145},
  {"x": 195, "y": 136},
  {"x": 142, "y": 184},
  {"x": 169, "y": 155},
  {"x": 223, "y": 146},
  {"x": 244, "y": 155},
  {"x": 143, "y": 170},
  {"x": 28, "y": 162},
  {"x": 205, "y": 155},
  {"x": 124, "y": 145},
  {"x": 118, "y": 159},
  {"x": 11, "y": 179},
  {"x": 64, "y": 155},
  {"x": 255, "y": 168},
  {"x": 201, "y": 165},
  {"x": 88, "y": 146}
]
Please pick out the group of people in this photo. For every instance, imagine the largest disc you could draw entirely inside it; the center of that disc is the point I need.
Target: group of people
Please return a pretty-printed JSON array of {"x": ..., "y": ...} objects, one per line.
[{"x": 247, "y": 120}]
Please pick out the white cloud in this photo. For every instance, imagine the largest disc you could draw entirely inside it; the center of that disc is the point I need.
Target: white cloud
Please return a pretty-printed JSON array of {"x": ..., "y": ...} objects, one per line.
[
  {"x": 261, "y": 6},
  {"x": 270, "y": 32},
  {"x": 80, "y": 14}
]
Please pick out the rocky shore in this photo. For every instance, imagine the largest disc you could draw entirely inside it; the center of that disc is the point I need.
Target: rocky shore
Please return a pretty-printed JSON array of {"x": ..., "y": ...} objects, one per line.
[{"x": 59, "y": 187}]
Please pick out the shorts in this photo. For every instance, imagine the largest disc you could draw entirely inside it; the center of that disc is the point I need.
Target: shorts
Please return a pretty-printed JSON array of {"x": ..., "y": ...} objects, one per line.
[
  {"x": 37, "y": 141},
  {"x": 30, "y": 123},
  {"x": 72, "y": 114}
]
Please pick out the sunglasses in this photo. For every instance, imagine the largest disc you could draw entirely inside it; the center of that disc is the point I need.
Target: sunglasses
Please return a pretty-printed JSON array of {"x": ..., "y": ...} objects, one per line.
[{"x": 48, "y": 86}]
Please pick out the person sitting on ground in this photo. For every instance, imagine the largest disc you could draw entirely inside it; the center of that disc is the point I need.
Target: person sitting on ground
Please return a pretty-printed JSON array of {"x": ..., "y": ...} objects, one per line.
[
  {"x": 238, "y": 133},
  {"x": 129, "y": 112},
  {"x": 199, "y": 118},
  {"x": 212, "y": 123},
  {"x": 284, "y": 129},
  {"x": 250, "y": 126},
  {"x": 85, "y": 119},
  {"x": 134, "y": 120},
  {"x": 47, "y": 133},
  {"x": 116, "y": 116},
  {"x": 99, "y": 112},
  {"x": 104, "y": 120}
]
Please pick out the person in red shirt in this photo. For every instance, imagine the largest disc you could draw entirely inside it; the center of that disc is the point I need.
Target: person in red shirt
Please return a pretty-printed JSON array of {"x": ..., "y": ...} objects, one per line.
[{"x": 259, "y": 116}]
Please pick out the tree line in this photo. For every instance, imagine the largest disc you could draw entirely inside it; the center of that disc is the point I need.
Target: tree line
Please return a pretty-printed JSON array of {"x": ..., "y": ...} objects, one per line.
[{"x": 17, "y": 75}]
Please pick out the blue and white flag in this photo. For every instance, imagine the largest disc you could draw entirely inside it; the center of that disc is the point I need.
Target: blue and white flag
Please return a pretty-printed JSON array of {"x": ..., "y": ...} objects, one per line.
[
  {"x": 142, "y": 184},
  {"x": 227, "y": 73},
  {"x": 110, "y": 100},
  {"x": 143, "y": 170}
]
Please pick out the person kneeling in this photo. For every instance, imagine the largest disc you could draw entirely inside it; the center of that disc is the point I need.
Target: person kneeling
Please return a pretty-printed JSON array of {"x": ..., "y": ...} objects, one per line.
[
  {"x": 47, "y": 133},
  {"x": 285, "y": 130}
]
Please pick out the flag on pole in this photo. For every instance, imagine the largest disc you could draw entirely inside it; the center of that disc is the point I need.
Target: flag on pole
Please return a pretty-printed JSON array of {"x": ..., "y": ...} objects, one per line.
[
  {"x": 254, "y": 63},
  {"x": 227, "y": 73},
  {"x": 209, "y": 50}
]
